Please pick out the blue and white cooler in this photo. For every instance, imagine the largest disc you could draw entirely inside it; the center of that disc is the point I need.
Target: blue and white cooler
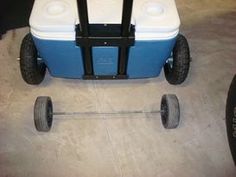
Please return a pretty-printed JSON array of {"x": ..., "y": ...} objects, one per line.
[{"x": 104, "y": 39}]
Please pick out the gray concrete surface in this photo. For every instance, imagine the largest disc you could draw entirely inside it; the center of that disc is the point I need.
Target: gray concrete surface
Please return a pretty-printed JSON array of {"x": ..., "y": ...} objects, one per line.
[{"x": 126, "y": 145}]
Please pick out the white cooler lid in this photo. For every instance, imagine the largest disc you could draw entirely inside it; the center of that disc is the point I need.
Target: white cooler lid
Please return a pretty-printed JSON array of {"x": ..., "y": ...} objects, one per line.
[{"x": 56, "y": 19}]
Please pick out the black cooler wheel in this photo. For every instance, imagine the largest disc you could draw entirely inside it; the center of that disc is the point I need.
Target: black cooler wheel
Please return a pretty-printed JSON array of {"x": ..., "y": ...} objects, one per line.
[
  {"x": 32, "y": 69},
  {"x": 231, "y": 118},
  {"x": 43, "y": 113},
  {"x": 176, "y": 68},
  {"x": 170, "y": 111}
]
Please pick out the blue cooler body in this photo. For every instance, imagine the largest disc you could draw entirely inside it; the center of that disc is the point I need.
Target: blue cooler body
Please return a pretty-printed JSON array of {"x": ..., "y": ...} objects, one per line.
[{"x": 53, "y": 24}]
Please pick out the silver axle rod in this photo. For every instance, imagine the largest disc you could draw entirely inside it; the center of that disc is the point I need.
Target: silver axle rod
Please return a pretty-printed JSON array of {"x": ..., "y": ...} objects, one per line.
[{"x": 105, "y": 113}]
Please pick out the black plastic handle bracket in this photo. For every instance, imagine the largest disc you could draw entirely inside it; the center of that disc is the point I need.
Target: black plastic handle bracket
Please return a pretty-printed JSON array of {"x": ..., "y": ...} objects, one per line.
[
  {"x": 105, "y": 35},
  {"x": 120, "y": 35}
]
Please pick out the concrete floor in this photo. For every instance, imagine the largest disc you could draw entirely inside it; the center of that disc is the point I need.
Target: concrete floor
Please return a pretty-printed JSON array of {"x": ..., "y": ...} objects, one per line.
[{"x": 131, "y": 145}]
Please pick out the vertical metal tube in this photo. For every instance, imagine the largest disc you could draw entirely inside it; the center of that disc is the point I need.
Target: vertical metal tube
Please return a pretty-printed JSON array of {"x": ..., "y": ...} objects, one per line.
[
  {"x": 83, "y": 16},
  {"x": 123, "y": 58},
  {"x": 84, "y": 27},
  {"x": 126, "y": 17},
  {"x": 125, "y": 30},
  {"x": 87, "y": 60}
]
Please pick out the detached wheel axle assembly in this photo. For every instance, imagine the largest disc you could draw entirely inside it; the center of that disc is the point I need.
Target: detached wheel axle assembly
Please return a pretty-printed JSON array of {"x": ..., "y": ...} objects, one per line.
[{"x": 43, "y": 112}]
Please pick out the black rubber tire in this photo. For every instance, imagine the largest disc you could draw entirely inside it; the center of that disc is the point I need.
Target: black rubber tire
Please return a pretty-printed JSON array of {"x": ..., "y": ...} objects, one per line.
[
  {"x": 231, "y": 118},
  {"x": 43, "y": 114},
  {"x": 177, "y": 72},
  {"x": 32, "y": 70},
  {"x": 170, "y": 111}
]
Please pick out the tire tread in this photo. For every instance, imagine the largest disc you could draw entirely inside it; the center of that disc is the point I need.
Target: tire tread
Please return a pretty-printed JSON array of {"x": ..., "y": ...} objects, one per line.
[
  {"x": 173, "y": 111},
  {"x": 181, "y": 62},
  {"x": 41, "y": 115},
  {"x": 31, "y": 72}
]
